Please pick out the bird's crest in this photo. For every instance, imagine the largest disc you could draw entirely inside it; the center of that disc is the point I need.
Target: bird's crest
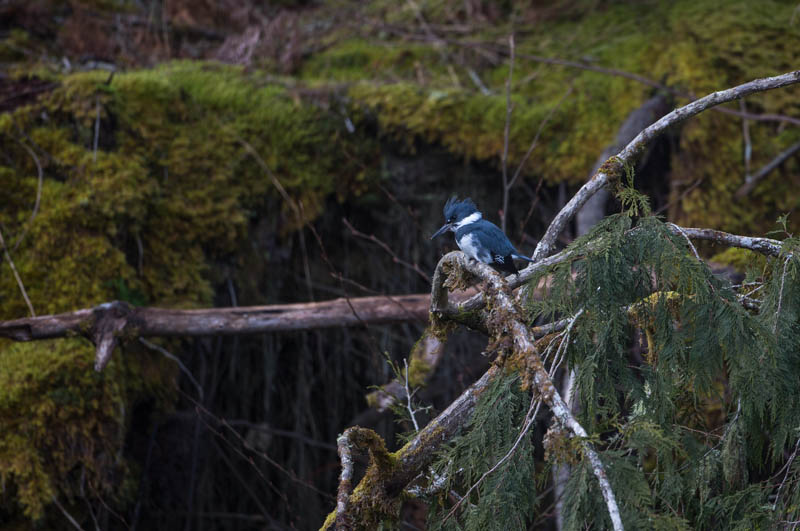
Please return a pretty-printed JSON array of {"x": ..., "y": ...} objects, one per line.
[{"x": 458, "y": 209}]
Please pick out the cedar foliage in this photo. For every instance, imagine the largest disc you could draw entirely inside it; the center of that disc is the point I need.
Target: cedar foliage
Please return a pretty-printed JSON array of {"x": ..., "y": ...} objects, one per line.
[{"x": 692, "y": 398}]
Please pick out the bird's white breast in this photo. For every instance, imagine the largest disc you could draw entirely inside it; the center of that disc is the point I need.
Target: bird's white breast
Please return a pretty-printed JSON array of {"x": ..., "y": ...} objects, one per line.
[{"x": 469, "y": 245}]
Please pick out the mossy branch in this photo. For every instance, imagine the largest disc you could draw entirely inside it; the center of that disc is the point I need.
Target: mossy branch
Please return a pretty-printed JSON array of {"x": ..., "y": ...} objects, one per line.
[
  {"x": 524, "y": 344},
  {"x": 377, "y": 495},
  {"x": 424, "y": 358}
]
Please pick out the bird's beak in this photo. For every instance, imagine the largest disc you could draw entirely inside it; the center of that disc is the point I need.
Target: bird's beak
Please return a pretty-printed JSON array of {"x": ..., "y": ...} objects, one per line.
[{"x": 445, "y": 228}]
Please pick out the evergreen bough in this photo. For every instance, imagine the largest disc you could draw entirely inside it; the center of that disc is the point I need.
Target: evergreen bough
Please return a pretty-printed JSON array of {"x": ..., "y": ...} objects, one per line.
[{"x": 692, "y": 398}]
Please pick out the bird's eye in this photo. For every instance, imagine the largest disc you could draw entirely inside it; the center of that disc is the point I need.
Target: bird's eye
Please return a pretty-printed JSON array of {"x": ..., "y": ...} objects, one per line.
[{"x": 451, "y": 220}]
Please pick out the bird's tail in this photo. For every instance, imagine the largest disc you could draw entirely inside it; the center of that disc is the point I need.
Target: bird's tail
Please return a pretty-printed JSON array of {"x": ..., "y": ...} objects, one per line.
[{"x": 521, "y": 257}]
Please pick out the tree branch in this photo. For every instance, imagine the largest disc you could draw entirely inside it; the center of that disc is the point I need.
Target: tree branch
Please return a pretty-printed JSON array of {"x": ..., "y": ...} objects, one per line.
[
  {"x": 526, "y": 347},
  {"x": 613, "y": 167},
  {"x": 751, "y": 181},
  {"x": 766, "y": 246},
  {"x": 507, "y": 132},
  {"x": 383, "y": 245},
  {"x": 344, "y": 445},
  {"x": 16, "y": 275},
  {"x": 378, "y": 491},
  {"x": 105, "y": 325}
]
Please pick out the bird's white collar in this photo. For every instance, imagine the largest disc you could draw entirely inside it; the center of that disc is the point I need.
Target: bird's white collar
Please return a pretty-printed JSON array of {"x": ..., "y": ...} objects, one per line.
[{"x": 472, "y": 218}]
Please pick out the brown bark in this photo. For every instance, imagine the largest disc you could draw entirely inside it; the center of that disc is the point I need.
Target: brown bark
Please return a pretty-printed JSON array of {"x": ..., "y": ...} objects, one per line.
[
  {"x": 238, "y": 320},
  {"x": 108, "y": 323}
]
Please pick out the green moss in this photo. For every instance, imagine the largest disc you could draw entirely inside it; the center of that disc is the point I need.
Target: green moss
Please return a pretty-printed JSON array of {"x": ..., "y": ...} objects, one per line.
[
  {"x": 329, "y": 521},
  {"x": 693, "y": 46},
  {"x": 353, "y": 59},
  {"x": 169, "y": 187},
  {"x": 741, "y": 259},
  {"x": 171, "y": 179},
  {"x": 75, "y": 419},
  {"x": 418, "y": 372}
]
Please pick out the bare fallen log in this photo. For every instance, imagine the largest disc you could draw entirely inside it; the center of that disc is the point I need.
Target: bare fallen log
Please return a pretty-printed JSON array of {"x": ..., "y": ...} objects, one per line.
[
  {"x": 105, "y": 325},
  {"x": 236, "y": 320}
]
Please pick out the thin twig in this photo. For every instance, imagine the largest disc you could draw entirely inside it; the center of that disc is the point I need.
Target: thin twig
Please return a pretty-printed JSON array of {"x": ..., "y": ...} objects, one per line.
[
  {"x": 409, "y": 406},
  {"x": 91, "y": 511},
  {"x": 246, "y": 485},
  {"x": 507, "y": 131},
  {"x": 788, "y": 469},
  {"x": 748, "y": 145},
  {"x": 535, "y": 141},
  {"x": 16, "y": 276},
  {"x": 562, "y": 347},
  {"x": 344, "y": 280},
  {"x": 697, "y": 182},
  {"x": 68, "y": 516},
  {"x": 254, "y": 426},
  {"x": 385, "y": 247},
  {"x": 751, "y": 180},
  {"x": 185, "y": 370},
  {"x": 780, "y": 294},
  {"x": 683, "y": 233},
  {"x": 478, "y": 83},
  {"x": 38, "y": 196}
]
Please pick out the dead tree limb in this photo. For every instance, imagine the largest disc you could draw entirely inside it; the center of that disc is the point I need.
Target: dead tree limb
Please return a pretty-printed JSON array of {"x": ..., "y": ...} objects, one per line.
[
  {"x": 107, "y": 324},
  {"x": 751, "y": 181},
  {"x": 765, "y": 246},
  {"x": 381, "y": 486},
  {"x": 232, "y": 321},
  {"x": 614, "y": 166}
]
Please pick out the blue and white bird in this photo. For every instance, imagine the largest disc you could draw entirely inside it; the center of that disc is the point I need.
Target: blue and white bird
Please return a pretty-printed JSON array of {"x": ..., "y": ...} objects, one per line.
[{"x": 479, "y": 239}]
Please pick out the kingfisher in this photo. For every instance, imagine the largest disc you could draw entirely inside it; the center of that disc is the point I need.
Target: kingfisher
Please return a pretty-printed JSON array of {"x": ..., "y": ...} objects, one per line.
[{"x": 479, "y": 239}]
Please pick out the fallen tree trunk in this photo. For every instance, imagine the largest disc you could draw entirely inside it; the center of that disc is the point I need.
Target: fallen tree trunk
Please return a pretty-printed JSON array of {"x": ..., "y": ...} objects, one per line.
[{"x": 105, "y": 325}]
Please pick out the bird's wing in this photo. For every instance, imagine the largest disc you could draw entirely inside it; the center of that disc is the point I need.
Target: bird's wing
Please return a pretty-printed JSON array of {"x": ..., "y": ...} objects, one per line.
[{"x": 502, "y": 246}]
